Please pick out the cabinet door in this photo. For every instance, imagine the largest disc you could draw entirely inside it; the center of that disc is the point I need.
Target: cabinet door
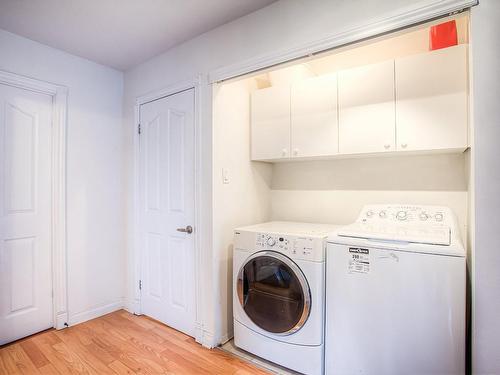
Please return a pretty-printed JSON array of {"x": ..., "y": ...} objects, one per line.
[
  {"x": 366, "y": 109},
  {"x": 270, "y": 118},
  {"x": 432, "y": 100},
  {"x": 314, "y": 123}
]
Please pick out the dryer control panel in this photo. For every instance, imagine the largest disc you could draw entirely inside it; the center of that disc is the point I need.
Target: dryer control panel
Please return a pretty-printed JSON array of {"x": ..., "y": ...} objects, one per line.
[{"x": 295, "y": 247}]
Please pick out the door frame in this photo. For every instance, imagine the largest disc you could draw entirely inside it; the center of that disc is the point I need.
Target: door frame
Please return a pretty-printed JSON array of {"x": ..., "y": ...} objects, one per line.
[
  {"x": 202, "y": 202},
  {"x": 59, "y": 96}
]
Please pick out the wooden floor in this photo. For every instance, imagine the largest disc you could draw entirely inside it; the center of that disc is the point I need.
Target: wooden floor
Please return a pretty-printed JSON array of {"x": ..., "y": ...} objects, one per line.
[{"x": 117, "y": 343}]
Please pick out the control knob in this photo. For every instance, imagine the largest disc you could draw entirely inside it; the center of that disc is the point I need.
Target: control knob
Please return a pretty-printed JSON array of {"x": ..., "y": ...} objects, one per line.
[
  {"x": 438, "y": 217},
  {"x": 271, "y": 241},
  {"x": 401, "y": 215},
  {"x": 424, "y": 216}
]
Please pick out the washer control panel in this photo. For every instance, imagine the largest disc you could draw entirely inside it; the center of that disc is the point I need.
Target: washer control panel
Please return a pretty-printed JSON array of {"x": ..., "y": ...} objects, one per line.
[
  {"x": 403, "y": 223},
  {"x": 434, "y": 215},
  {"x": 297, "y": 247}
]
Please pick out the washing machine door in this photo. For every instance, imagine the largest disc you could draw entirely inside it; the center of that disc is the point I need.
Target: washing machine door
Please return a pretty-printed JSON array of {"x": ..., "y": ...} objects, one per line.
[{"x": 274, "y": 293}]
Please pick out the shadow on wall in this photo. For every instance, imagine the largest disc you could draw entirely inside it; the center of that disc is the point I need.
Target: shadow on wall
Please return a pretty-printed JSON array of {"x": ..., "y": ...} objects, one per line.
[
  {"x": 230, "y": 251},
  {"x": 446, "y": 172},
  {"x": 262, "y": 173}
]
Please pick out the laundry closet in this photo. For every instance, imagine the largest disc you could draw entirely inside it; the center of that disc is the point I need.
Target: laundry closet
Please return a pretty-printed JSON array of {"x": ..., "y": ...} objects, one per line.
[{"x": 386, "y": 120}]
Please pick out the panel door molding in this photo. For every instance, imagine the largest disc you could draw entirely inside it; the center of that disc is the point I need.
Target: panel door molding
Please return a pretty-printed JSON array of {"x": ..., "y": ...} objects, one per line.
[
  {"x": 202, "y": 234},
  {"x": 21, "y": 250},
  {"x": 167, "y": 206}
]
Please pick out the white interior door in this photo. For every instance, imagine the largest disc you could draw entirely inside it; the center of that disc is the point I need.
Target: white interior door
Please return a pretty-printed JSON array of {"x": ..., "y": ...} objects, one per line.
[
  {"x": 25, "y": 213},
  {"x": 167, "y": 207}
]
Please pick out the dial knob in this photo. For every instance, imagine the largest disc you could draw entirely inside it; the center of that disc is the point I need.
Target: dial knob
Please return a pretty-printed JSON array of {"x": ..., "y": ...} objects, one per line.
[
  {"x": 401, "y": 215},
  {"x": 424, "y": 216},
  {"x": 382, "y": 214},
  {"x": 438, "y": 217},
  {"x": 369, "y": 213},
  {"x": 271, "y": 241}
]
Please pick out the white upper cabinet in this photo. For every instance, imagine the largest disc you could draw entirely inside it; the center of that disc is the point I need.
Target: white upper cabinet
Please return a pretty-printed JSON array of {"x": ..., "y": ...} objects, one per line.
[
  {"x": 367, "y": 109},
  {"x": 432, "y": 100},
  {"x": 414, "y": 103},
  {"x": 314, "y": 122},
  {"x": 270, "y": 118}
]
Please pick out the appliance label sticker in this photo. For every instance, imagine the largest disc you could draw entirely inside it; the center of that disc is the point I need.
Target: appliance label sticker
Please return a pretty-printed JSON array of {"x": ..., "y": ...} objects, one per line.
[{"x": 359, "y": 260}]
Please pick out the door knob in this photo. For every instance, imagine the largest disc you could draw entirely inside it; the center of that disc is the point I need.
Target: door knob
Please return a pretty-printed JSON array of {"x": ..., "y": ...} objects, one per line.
[{"x": 188, "y": 229}]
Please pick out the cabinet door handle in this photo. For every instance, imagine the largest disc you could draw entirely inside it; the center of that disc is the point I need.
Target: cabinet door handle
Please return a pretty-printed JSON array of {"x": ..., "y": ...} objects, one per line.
[
  {"x": 296, "y": 151},
  {"x": 284, "y": 152},
  {"x": 404, "y": 145},
  {"x": 387, "y": 146}
]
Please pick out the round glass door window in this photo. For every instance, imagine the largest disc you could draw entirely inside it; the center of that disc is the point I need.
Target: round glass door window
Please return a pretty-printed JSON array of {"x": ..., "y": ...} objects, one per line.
[{"x": 274, "y": 293}]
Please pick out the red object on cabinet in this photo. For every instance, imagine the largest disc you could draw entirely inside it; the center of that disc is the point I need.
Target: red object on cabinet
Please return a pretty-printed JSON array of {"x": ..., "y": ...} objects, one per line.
[{"x": 443, "y": 35}]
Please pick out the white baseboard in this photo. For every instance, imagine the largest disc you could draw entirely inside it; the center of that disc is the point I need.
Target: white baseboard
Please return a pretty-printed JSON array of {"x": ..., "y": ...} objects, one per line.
[
  {"x": 133, "y": 306},
  {"x": 208, "y": 340},
  {"x": 95, "y": 312},
  {"x": 61, "y": 320}
]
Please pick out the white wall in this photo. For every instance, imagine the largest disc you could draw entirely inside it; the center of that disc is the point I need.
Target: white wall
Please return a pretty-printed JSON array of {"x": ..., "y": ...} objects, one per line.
[
  {"x": 95, "y": 170},
  {"x": 486, "y": 158},
  {"x": 280, "y": 26},
  {"x": 245, "y": 199},
  {"x": 334, "y": 191}
]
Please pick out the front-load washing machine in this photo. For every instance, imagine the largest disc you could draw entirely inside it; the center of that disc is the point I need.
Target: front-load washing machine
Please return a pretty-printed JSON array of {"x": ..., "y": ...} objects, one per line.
[
  {"x": 395, "y": 293},
  {"x": 278, "y": 293}
]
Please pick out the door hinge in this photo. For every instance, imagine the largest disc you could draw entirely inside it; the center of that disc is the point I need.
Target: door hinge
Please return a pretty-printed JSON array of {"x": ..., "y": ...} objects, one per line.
[
  {"x": 140, "y": 284},
  {"x": 139, "y": 128}
]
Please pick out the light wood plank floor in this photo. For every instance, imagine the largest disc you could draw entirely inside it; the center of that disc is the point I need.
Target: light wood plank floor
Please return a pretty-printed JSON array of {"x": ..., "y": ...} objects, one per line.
[{"x": 117, "y": 343}]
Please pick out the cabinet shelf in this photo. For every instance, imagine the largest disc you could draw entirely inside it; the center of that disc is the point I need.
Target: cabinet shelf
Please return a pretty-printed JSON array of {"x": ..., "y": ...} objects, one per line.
[{"x": 362, "y": 155}]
